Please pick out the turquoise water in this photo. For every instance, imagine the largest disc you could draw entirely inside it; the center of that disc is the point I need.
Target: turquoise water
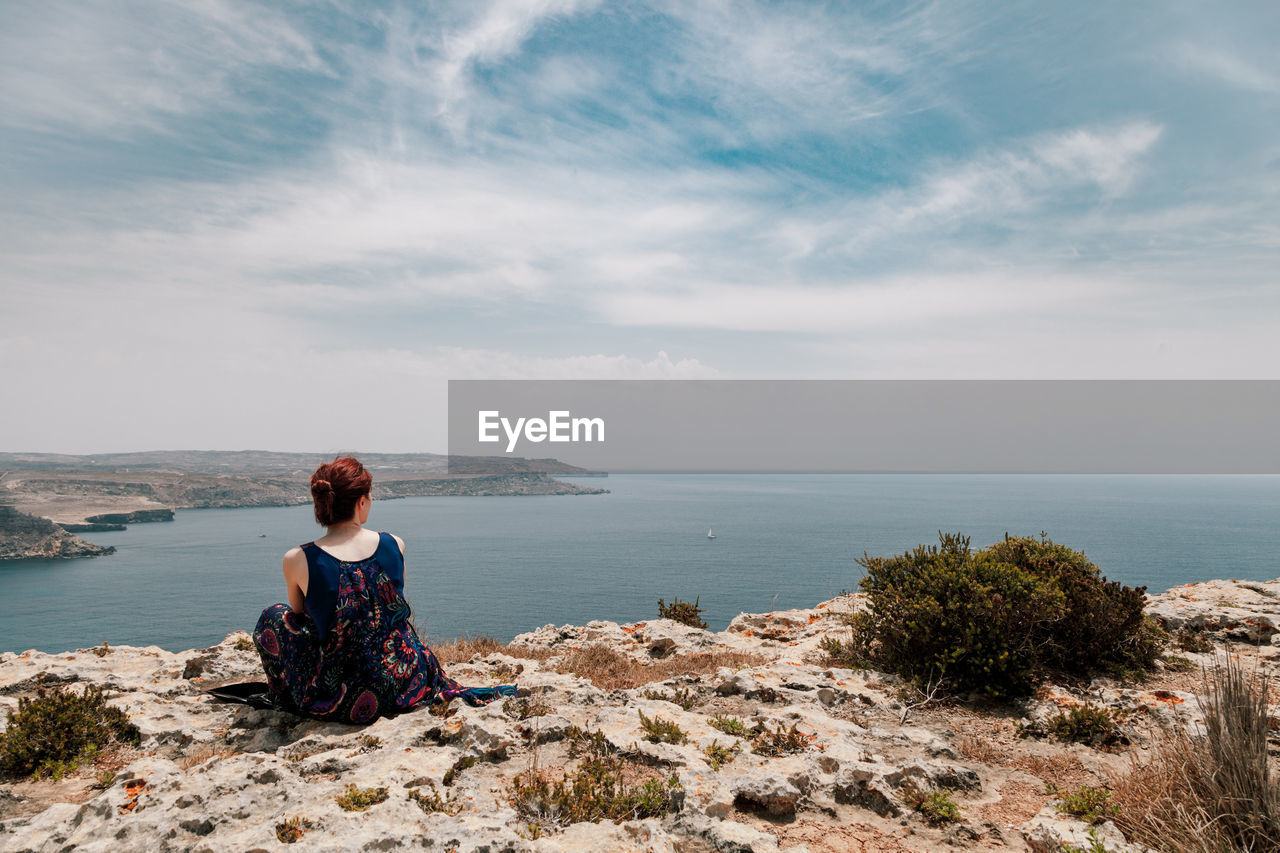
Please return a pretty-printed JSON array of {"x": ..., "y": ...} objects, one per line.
[{"x": 505, "y": 565}]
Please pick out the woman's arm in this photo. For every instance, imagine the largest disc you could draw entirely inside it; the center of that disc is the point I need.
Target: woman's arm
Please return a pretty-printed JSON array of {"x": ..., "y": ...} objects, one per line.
[{"x": 295, "y": 579}]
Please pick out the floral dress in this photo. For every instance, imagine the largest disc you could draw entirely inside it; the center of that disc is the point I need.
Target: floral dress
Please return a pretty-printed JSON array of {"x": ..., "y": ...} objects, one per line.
[{"x": 354, "y": 656}]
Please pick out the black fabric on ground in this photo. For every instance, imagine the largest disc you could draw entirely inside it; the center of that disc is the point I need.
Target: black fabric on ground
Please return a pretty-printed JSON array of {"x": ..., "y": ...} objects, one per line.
[{"x": 256, "y": 694}]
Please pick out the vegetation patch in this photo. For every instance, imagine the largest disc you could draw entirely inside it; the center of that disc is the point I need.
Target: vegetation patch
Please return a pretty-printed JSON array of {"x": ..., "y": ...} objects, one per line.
[
  {"x": 685, "y": 697},
  {"x": 1092, "y": 805},
  {"x": 779, "y": 740},
  {"x": 458, "y": 766},
  {"x": 368, "y": 743},
  {"x": 609, "y": 669},
  {"x": 994, "y": 620},
  {"x": 1088, "y": 724},
  {"x": 718, "y": 756},
  {"x": 658, "y": 730},
  {"x": 729, "y": 725},
  {"x": 683, "y": 612},
  {"x": 355, "y": 799},
  {"x": 431, "y": 802},
  {"x": 291, "y": 831},
  {"x": 242, "y": 644},
  {"x": 1213, "y": 794},
  {"x": 936, "y": 807},
  {"x": 56, "y": 731},
  {"x": 604, "y": 786}
]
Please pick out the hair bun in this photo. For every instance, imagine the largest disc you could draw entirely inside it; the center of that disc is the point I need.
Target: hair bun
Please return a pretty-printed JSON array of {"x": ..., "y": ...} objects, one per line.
[{"x": 322, "y": 487}]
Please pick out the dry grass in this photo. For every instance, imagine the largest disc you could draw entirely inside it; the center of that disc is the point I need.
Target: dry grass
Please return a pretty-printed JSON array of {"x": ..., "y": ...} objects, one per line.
[
  {"x": 1215, "y": 794},
  {"x": 462, "y": 649},
  {"x": 611, "y": 670},
  {"x": 200, "y": 754}
]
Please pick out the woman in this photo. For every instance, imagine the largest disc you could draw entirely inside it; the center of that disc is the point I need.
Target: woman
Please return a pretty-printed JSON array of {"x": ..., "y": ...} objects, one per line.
[{"x": 343, "y": 648}]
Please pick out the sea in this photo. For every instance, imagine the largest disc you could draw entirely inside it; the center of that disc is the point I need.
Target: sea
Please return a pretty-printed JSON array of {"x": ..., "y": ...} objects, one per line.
[{"x": 504, "y": 565}]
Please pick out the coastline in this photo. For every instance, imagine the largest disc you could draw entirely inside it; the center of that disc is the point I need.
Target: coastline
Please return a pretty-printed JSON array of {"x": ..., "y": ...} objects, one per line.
[{"x": 221, "y": 777}]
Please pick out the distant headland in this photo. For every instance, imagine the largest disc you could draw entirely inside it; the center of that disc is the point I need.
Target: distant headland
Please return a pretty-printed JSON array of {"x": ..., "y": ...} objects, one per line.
[{"x": 48, "y": 498}]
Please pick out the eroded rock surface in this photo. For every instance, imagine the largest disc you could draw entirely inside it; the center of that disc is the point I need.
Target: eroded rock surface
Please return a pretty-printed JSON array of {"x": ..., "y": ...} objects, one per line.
[{"x": 823, "y": 758}]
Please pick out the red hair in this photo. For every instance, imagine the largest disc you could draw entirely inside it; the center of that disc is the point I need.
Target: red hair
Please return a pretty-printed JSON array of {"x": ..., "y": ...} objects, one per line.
[{"x": 336, "y": 488}]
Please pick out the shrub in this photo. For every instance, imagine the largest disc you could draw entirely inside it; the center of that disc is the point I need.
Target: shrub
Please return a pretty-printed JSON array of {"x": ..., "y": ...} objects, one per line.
[
  {"x": 718, "y": 756},
  {"x": 1100, "y": 624},
  {"x": 728, "y": 725},
  {"x": 354, "y": 799},
  {"x": 994, "y": 619},
  {"x": 1088, "y": 724},
  {"x": 1211, "y": 794},
  {"x": 658, "y": 730},
  {"x": 1092, "y": 805},
  {"x": 291, "y": 831},
  {"x": 597, "y": 790},
  {"x": 58, "y": 730},
  {"x": 780, "y": 741},
  {"x": 936, "y": 807},
  {"x": 682, "y": 611}
]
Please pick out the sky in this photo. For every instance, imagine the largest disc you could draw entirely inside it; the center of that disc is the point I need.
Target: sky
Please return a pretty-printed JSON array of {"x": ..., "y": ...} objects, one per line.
[{"x": 232, "y": 225}]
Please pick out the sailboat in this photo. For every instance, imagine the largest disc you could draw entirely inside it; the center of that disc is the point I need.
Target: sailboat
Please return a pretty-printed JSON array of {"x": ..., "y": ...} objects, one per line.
[{"x": 710, "y": 535}]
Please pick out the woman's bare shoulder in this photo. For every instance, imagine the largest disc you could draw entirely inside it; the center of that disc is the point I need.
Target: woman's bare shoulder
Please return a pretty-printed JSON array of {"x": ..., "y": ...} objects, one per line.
[
  {"x": 295, "y": 555},
  {"x": 399, "y": 542}
]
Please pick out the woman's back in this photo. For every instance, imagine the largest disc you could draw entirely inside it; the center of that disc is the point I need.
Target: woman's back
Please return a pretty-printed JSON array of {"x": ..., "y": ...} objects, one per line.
[{"x": 344, "y": 648}]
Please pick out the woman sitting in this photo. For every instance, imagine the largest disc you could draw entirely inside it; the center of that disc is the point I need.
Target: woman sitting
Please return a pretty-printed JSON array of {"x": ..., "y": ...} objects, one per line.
[{"x": 343, "y": 648}]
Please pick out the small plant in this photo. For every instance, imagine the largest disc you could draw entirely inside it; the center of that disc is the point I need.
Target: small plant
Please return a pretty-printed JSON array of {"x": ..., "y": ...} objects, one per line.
[
  {"x": 355, "y": 799},
  {"x": 432, "y": 802},
  {"x": 368, "y": 743},
  {"x": 718, "y": 756},
  {"x": 1095, "y": 845},
  {"x": 1178, "y": 663},
  {"x": 458, "y": 766},
  {"x": 780, "y": 741},
  {"x": 841, "y": 654},
  {"x": 442, "y": 708},
  {"x": 57, "y": 731},
  {"x": 683, "y": 612},
  {"x": 102, "y": 650},
  {"x": 658, "y": 730},
  {"x": 1092, "y": 805},
  {"x": 502, "y": 674},
  {"x": 684, "y": 697},
  {"x": 936, "y": 807},
  {"x": 291, "y": 830},
  {"x": 728, "y": 725},
  {"x": 242, "y": 644},
  {"x": 1088, "y": 724},
  {"x": 1192, "y": 641}
]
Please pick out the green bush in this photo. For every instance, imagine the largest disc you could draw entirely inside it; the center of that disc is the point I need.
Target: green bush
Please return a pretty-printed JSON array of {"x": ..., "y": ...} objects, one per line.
[
  {"x": 682, "y": 611},
  {"x": 994, "y": 619},
  {"x": 1101, "y": 623},
  {"x": 58, "y": 730}
]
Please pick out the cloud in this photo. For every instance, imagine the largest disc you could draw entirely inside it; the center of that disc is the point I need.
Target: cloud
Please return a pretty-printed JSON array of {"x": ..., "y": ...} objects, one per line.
[
  {"x": 1227, "y": 67},
  {"x": 126, "y": 67}
]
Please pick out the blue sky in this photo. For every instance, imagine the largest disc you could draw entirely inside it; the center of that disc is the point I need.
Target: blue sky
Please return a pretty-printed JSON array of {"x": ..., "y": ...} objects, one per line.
[{"x": 233, "y": 225}]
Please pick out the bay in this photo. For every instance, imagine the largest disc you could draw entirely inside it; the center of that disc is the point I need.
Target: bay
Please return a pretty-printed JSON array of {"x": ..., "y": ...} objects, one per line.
[{"x": 503, "y": 565}]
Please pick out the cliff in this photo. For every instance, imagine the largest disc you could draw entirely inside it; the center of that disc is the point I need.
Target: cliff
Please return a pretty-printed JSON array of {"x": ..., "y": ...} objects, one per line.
[
  {"x": 825, "y": 758},
  {"x": 25, "y": 536}
]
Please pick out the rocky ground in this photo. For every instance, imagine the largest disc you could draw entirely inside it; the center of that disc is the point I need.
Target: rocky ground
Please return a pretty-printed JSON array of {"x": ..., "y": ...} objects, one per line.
[{"x": 213, "y": 777}]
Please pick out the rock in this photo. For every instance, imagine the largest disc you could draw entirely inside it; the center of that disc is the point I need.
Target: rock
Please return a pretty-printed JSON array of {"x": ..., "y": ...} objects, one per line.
[
  {"x": 28, "y": 537},
  {"x": 1245, "y": 611},
  {"x": 766, "y": 791},
  {"x": 1051, "y": 832}
]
